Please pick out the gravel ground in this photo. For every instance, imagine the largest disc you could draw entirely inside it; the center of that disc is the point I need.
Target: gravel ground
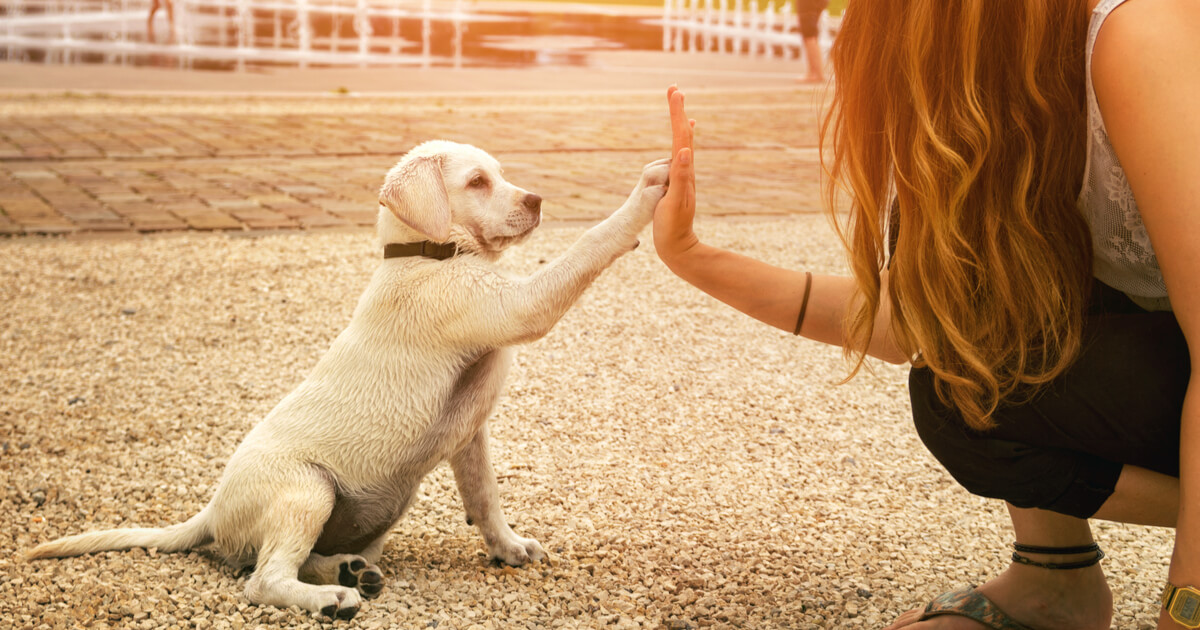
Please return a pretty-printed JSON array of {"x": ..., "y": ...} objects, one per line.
[{"x": 685, "y": 466}]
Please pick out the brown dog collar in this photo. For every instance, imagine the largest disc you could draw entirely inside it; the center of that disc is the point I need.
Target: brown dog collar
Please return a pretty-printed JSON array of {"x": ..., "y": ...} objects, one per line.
[{"x": 436, "y": 251}]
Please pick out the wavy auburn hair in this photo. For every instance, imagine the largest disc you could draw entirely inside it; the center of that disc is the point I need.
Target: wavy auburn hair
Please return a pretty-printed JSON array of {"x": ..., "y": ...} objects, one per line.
[{"x": 961, "y": 124}]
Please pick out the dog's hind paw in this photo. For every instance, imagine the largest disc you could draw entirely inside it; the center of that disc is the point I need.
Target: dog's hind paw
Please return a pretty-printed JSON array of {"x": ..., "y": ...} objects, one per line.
[
  {"x": 359, "y": 574},
  {"x": 349, "y": 570}
]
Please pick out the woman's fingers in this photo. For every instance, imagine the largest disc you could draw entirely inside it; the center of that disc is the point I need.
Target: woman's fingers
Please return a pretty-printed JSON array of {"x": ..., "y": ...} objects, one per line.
[
  {"x": 686, "y": 185},
  {"x": 681, "y": 169},
  {"x": 681, "y": 126},
  {"x": 679, "y": 183}
]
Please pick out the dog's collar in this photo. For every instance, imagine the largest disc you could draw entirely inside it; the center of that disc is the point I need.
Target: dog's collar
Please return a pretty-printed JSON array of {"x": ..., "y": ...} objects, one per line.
[{"x": 436, "y": 251}]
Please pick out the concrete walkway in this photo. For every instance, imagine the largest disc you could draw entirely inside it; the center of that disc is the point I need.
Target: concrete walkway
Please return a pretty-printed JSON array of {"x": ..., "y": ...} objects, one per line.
[{"x": 102, "y": 149}]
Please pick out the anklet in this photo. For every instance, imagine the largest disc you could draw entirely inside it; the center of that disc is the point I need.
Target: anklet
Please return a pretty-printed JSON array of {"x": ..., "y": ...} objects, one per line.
[
  {"x": 1064, "y": 551},
  {"x": 1057, "y": 566}
]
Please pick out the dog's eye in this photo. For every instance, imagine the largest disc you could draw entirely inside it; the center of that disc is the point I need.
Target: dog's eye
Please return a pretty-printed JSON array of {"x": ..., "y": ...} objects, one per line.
[{"x": 479, "y": 182}]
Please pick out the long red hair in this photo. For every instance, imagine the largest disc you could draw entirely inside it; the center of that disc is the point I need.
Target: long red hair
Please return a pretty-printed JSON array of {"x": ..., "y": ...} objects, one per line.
[{"x": 965, "y": 122}]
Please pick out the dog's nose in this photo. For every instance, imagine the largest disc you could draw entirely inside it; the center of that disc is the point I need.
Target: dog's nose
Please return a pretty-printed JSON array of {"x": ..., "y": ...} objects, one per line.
[{"x": 533, "y": 202}]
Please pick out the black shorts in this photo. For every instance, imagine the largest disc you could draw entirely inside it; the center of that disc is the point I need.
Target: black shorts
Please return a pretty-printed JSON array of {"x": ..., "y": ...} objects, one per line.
[
  {"x": 810, "y": 12},
  {"x": 1119, "y": 403}
]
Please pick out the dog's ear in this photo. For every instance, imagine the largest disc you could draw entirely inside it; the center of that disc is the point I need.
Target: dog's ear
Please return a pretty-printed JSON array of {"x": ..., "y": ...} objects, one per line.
[{"x": 415, "y": 192}]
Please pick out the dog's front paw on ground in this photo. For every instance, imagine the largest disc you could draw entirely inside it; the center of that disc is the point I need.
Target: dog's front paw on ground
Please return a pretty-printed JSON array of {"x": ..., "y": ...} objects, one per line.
[
  {"x": 358, "y": 573},
  {"x": 518, "y": 551},
  {"x": 342, "y": 603}
]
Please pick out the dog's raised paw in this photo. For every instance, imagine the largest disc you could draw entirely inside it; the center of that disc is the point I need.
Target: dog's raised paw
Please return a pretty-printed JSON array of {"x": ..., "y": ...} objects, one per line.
[{"x": 359, "y": 574}]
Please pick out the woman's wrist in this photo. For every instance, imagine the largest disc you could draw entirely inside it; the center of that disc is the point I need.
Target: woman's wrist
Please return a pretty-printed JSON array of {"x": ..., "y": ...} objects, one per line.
[{"x": 677, "y": 252}]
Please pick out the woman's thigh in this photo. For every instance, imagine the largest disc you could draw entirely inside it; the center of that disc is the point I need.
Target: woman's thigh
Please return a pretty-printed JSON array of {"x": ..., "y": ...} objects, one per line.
[
  {"x": 1120, "y": 403},
  {"x": 1122, "y": 400}
]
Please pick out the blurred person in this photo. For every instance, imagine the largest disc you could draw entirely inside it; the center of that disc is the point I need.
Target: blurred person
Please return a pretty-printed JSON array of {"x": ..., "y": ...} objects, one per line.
[
  {"x": 170, "y": 8},
  {"x": 1024, "y": 212},
  {"x": 810, "y": 17}
]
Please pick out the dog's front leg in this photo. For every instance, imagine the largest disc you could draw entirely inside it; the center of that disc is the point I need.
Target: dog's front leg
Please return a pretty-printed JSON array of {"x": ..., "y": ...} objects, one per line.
[
  {"x": 481, "y": 496},
  {"x": 528, "y": 308}
]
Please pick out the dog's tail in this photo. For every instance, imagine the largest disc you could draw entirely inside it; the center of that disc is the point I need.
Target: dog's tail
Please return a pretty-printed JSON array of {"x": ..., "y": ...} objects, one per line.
[{"x": 187, "y": 535}]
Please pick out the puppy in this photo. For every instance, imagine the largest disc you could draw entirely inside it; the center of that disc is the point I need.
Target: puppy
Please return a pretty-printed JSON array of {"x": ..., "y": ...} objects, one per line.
[{"x": 310, "y": 494}]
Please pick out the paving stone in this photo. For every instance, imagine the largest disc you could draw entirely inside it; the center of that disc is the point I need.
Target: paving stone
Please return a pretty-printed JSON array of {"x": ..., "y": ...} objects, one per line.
[
  {"x": 8, "y": 227},
  {"x": 232, "y": 204},
  {"x": 212, "y": 221},
  {"x": 302, "y": 190},
  {"x": 159, "y": 224},
  {"x": 97, "y": 215},
  {"x": 50, "y": 228},
  {"x": 295, "y": 209},
  {"x": 322, "y": 220},
  {"x": 27, "y": 207},
  {"x": 102, "y": 225},
  {"x": 32, "y": 174},
  {"x": 359, "y": 217}
]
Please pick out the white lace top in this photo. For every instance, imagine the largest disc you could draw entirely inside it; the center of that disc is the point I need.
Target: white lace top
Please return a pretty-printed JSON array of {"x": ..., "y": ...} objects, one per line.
[{"x": 1124, "y": 257}]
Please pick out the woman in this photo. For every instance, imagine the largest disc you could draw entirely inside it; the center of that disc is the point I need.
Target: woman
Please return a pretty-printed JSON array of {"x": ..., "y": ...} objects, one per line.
[{"x": 991, "y": 177}]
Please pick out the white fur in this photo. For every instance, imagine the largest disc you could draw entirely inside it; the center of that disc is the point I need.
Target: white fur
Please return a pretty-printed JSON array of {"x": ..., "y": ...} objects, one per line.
[{"x": 312, "y": 491}]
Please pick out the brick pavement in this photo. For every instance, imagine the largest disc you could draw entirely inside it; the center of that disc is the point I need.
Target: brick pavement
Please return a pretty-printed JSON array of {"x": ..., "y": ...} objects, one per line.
[{"x": 72, "y": 163}]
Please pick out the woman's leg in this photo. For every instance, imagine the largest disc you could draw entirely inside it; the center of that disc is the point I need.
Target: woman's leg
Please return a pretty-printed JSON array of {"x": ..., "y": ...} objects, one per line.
[
  {"x": 809, "y": 13},
  {"x": 816, "y": 65},
  {"x": 1045, "y": 598},
  {"x": 1142, "y": 497},
  {"x": 1077, "y": 598},
  {"x": 1079, "y": 449},
  {"x": 1040, "y": 598},
  {"x": 150, "y": 21}
]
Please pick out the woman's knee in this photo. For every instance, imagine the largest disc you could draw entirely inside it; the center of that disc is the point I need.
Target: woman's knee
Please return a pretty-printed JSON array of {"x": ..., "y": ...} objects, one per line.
[{"x": 946, "y": 435}]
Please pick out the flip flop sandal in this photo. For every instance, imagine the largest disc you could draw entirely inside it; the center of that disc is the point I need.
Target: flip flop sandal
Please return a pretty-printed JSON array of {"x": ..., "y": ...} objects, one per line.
[{"x": 971, "y": 604}]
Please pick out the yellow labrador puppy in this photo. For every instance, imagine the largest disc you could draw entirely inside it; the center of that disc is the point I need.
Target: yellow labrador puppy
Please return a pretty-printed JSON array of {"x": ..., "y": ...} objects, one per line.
[{"x": 310, "y": 494}]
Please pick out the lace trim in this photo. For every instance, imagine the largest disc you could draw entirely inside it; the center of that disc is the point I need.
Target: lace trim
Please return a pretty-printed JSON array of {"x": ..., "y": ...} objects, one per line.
[{"x": 1125, "y": 257}]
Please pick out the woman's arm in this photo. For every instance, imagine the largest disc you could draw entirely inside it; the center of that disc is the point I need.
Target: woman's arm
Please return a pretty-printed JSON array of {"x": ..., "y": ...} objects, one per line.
[
  {"x": 767, "y": 293},
  {"x": 1146, "y": 69}
]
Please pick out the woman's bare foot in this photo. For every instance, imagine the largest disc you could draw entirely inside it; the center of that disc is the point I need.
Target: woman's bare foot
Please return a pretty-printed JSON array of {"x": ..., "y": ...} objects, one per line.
[{"x": 1076, "y": 599}]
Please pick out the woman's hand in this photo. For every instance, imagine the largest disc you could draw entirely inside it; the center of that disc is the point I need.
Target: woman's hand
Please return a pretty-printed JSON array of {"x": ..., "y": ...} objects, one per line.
[{"x": 673, "y": 235}]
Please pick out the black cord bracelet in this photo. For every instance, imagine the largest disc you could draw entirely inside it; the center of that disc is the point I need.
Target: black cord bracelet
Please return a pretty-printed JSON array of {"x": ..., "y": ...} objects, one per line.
[
  {"x": 1061, "y": 551},
  {"x": 1058, "y": 566},
  {"x": 804, "y": 301}
]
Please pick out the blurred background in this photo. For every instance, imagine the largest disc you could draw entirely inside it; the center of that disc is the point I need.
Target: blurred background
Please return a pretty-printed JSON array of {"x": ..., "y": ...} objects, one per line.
[
  {"x": 137, "y": 116},
  {"x": 242, "y": 35}
]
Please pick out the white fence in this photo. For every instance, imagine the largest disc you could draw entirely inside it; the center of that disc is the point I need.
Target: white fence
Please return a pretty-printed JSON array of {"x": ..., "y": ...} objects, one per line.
[
  {"x": 293, "y": 32},
  {"x": 770, "y": 28}
]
